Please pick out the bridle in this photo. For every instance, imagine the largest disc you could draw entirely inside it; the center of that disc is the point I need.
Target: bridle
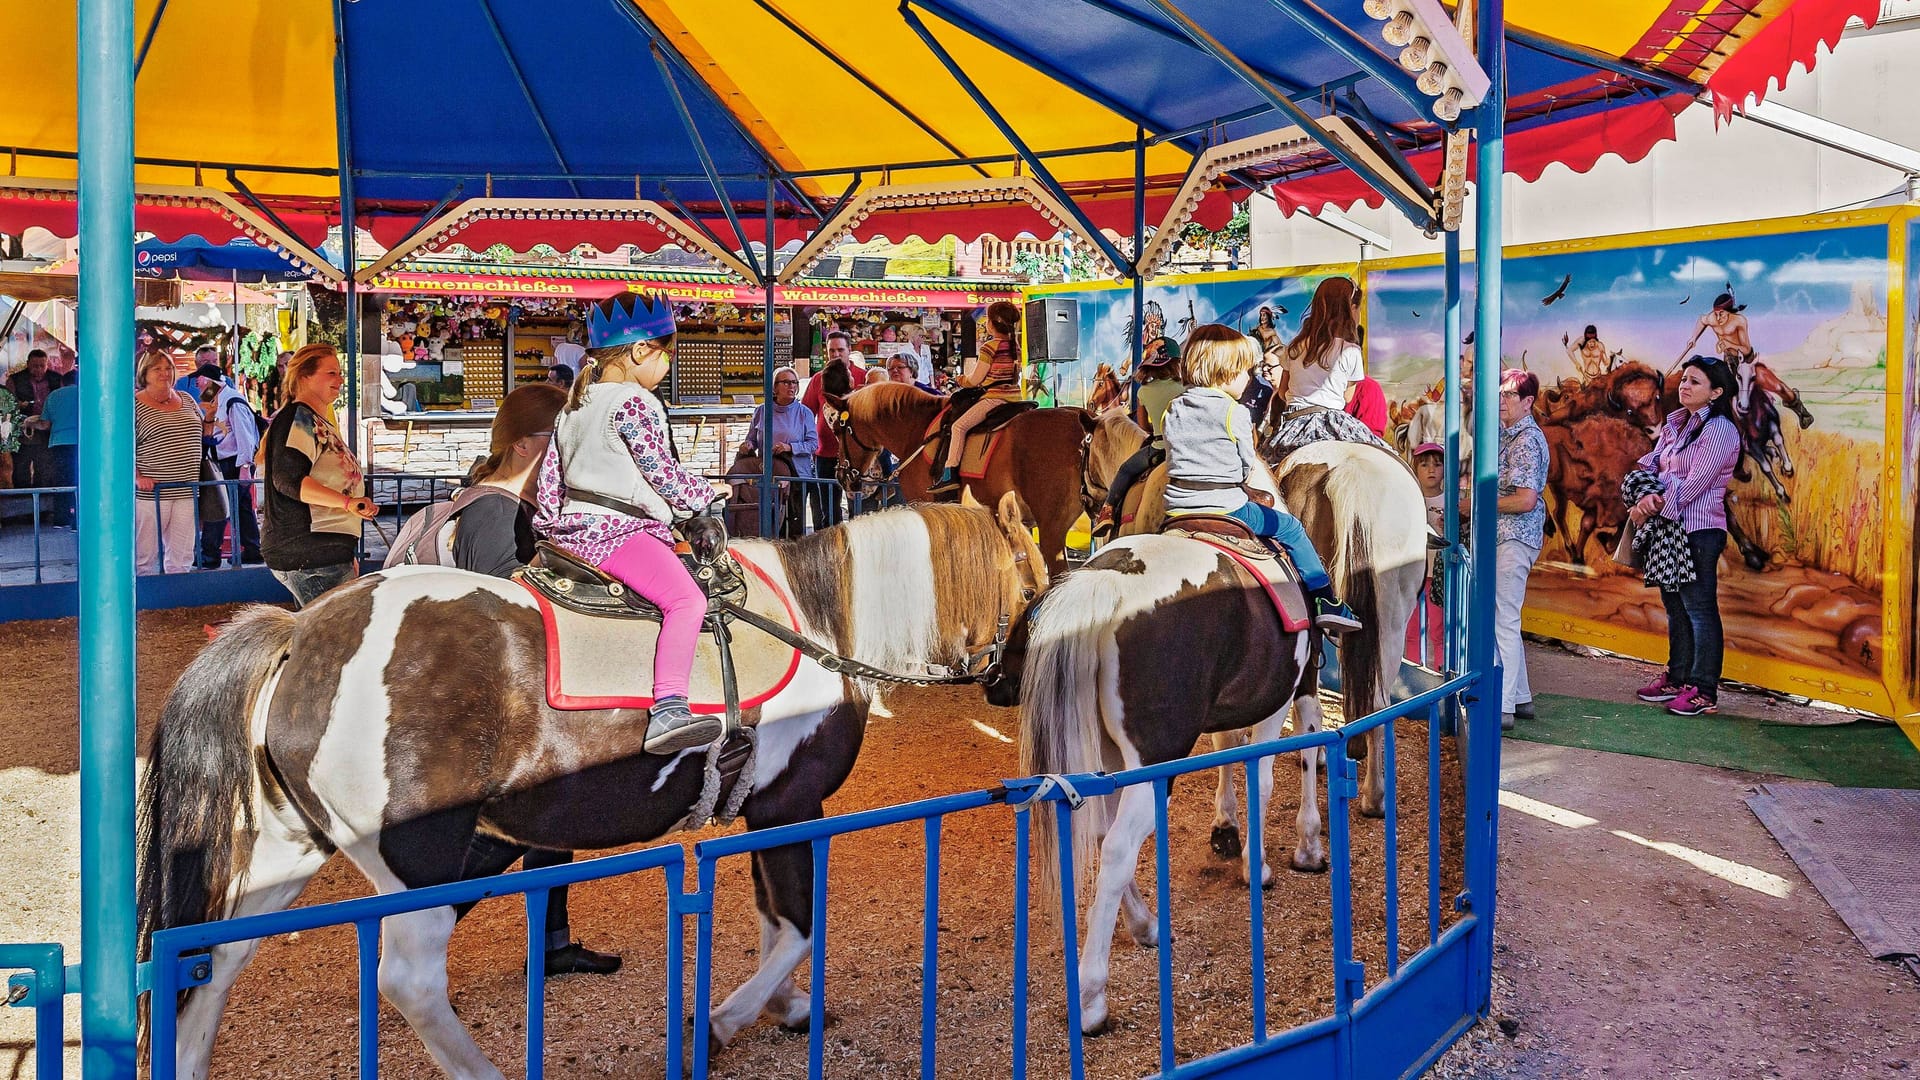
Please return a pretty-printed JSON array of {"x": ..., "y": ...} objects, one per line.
[{"x": 852, "y": 479}]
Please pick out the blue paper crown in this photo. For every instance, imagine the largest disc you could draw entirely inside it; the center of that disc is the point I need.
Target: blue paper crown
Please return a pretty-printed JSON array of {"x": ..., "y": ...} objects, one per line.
[{"x": 634, "y": 317}]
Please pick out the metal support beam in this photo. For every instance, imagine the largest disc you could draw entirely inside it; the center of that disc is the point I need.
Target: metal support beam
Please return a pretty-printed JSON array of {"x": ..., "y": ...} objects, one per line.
[
  {"x": 1383, "y": 133},
  {"x": 1040, "y": 171},
  {"x": 349, "y": 222},
  {"x": 1821, "y": 132},
  {"x": 862, "y": 78},
  {"x": 686, "y": 214},
  {"x": 240, "y": 188},
  {"x": 1357, "y": 51},
  {"x": 106, "y": 587},
  {"x": 1339, "y": 221},
  {"x": 699, "y": 146},
  {"x": 1139, "y": 245},
  {"x": 767, "y": 493},
  {"x": 438, "y": 209},
  {"x": 1594, "y": 58},
  {"x": 1420, "y": 215},
  {"x": 1452, "y": 346},
  {"x": 655, "y": 39},
  {"x": 146, "y": 40},
  {"x": 1482, "y": 748},
  {"x": 526, "y": 92},
  {"x": 976, "y": 29}
]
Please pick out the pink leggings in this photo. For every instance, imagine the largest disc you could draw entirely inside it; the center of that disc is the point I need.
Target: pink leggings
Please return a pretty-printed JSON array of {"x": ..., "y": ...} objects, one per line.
[{"x": 651, "y": 569}]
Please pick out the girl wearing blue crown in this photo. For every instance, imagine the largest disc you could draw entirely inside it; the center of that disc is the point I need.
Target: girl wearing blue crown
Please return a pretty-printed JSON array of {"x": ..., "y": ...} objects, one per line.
[{"x": 611, "y": 487}]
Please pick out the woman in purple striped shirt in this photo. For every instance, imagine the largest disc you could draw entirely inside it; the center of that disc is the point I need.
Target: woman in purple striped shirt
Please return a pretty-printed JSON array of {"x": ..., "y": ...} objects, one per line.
[{"x": 1699, "y": 446}]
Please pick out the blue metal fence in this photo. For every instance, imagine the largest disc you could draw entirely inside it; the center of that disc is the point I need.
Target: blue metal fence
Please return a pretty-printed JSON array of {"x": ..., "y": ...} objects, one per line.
[{"x": 1394, "y": 1025}]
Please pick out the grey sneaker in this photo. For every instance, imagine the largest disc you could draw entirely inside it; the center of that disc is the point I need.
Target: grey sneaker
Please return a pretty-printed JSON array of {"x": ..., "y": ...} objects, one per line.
[{"x": 673, "y": 727}]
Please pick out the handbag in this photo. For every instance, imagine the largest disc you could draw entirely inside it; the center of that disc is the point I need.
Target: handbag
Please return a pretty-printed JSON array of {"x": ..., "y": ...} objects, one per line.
[
  {"x": 1624, "y": 552},
  {"x": 213, "y": 497}
]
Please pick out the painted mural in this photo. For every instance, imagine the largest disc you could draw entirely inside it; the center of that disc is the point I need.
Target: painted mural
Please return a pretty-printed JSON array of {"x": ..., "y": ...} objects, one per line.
[
  {"x": 1804, "y": 316},
  {"x": 1106, "y": 321}
]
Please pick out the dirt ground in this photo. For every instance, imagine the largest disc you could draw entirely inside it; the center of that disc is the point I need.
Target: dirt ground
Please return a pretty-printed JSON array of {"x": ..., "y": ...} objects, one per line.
[
  {"x": 1706, "y": 956},
  {"x": 292, "y": 1012}
]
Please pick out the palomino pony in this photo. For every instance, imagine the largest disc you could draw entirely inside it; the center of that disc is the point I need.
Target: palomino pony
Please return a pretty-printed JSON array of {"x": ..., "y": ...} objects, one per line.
[
  {"x": 401, "y": 715},
  {"x": 1038, "y": 459},
  {"x": 1156, "y": 641}
]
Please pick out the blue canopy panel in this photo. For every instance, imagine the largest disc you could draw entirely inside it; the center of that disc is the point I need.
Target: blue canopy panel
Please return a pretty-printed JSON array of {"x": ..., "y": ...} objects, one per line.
[
  {"x": 528, "y": 103},
  {"x": 198, "y": 259},
  {"x": 1125, "y": 54}
]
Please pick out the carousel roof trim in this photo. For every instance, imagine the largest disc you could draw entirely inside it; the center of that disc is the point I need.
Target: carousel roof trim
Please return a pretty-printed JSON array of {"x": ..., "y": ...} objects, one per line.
[
  {"x": 447, "y": 227},
  {"x": 789, "y": 92},
  {"x": 243, "y": 220}
]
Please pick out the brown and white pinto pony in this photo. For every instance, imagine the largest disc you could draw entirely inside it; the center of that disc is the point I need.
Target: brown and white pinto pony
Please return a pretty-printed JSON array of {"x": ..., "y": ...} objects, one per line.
[
  {"x": 1126, "y": 662},
  {"x": 1367, "y": 519},
  {"x": 405, "y": 713},
  {"x": 1038, "y": 460}
]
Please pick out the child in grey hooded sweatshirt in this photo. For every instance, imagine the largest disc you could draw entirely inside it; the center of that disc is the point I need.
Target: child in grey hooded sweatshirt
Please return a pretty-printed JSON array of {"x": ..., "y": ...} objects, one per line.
[{"x": 1210, "y": 454}]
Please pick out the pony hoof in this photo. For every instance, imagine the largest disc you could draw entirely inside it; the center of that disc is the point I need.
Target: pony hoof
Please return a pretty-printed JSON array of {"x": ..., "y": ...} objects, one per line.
[
  {"x": 804, "y": 1026},
  {"x": 1375, "y": 812},
  {"x": 1226, "y": 841},
  {"x": 1310, "y": 866},
  {"x": 1098, "y": 1028}
]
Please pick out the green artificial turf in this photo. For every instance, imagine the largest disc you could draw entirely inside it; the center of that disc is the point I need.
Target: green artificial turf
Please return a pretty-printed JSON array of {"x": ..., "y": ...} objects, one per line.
[{"x": 1859, "y": 754}]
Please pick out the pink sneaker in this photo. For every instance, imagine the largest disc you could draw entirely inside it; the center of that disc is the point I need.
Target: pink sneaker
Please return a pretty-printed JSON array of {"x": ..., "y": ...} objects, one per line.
[
  {"x": 1692, "y": 702},
  {"x": 1658, "y": 690}
]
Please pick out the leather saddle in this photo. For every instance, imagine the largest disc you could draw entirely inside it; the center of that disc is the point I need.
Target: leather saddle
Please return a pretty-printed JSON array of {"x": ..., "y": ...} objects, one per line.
[
  {"x": 957, "y": 406},
  {"x": 580, "y": 586},
  {"x": 1221, "y": 529}
]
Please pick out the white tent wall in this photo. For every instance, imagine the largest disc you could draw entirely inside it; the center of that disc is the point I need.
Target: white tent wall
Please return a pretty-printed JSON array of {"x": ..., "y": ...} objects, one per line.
[{"x": 1738, "y": 172}]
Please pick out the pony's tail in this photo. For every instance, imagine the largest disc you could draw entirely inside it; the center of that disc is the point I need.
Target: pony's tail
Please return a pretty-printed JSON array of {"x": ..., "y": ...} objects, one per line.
[
  {"x": 1060, "y": 724},
  {"x": 1360, "y": 652},
  {"x": 198, "y": 789}
]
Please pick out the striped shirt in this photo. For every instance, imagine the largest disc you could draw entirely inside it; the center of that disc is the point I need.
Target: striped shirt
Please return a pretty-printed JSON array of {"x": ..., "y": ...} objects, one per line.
[
  {"x": 1695, "y": 474},
  {"x": 166, "y": 444}
]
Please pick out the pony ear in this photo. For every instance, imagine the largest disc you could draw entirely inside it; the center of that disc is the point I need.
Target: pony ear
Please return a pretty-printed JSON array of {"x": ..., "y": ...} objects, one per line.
[
  {"x": 839, "y": 403},
  {"x": 1009, "y": 513},
  {"x": 967, "y": 499}
]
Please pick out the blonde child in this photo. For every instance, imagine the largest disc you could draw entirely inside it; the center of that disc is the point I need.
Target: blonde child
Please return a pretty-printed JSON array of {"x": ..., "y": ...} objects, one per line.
[{"x": 1210, "y": 455}]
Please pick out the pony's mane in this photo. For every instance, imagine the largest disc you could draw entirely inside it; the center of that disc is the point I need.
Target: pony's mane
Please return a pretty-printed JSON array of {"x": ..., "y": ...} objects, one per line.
[
  {"x": 881, "y": 403},
  {"x": 904, "y": 587}
]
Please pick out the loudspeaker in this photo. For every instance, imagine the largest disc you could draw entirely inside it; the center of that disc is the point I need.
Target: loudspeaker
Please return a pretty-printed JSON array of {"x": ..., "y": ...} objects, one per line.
[{"x": 1053, "y": 328}]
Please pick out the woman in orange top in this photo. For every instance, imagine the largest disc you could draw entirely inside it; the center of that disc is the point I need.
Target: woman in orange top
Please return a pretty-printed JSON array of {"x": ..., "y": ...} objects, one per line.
[{"x": 997, "y": 371}]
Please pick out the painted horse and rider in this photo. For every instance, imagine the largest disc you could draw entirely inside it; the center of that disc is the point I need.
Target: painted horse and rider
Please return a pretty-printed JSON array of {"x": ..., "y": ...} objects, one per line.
[{"x": 1734, "y": 344}]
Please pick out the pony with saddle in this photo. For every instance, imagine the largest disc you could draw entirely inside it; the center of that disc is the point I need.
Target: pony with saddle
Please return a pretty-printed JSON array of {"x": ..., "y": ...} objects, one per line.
[
  {"x": 1090, "y": 669},
  {"x": 1019, "y": 448},
  {"x": 403, "y": 715},
  {"x": 1367, "y": 518},
  {"x": 1091, "y": 672}
]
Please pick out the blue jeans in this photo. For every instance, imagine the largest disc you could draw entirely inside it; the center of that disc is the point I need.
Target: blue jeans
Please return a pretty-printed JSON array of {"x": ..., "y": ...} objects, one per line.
[
  {"x": 1286, "y": 530},
  {"x": 1695, "y": 643},
  {"x": 307, "y": 585}
]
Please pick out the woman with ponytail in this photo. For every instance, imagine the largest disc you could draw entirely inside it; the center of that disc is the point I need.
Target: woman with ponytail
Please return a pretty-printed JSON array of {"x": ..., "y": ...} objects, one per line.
[
  {"x": 1694, "y": 458},
  {"x": 611, "y": 487},
  {"x": 493, "y": 535}
]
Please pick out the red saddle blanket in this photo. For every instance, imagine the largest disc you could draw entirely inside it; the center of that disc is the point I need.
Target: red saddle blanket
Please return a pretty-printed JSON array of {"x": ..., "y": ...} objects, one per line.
[
  {"x": 1277, "y": 577},
  {"x": 595, "y": 662}
]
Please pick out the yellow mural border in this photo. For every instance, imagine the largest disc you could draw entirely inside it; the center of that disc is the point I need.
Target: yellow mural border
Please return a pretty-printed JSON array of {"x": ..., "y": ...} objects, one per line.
[
  {"x": 1732, "y": 230},
  {"x": 1209, "y": 277},
  {"x": 1897, "y": 613}
]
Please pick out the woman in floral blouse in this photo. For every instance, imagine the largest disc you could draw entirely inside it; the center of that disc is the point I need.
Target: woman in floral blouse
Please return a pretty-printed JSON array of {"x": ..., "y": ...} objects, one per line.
[{"x": 611, "y": 487}]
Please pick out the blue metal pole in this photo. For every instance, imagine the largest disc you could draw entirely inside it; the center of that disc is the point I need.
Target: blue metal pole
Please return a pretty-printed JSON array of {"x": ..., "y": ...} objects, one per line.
[
  {"x": 1420, "y": 215},
  {"x": 1450, "y": 487},
  {"x": 1139, "y": 244},
  {"x": 766, "y": 386},
  {"x": 106, "y": 506},
  {"x": 343, "y": 135},
  {"x": 1041, "y": 173},
  {"x": 1483, "y": 721}
]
